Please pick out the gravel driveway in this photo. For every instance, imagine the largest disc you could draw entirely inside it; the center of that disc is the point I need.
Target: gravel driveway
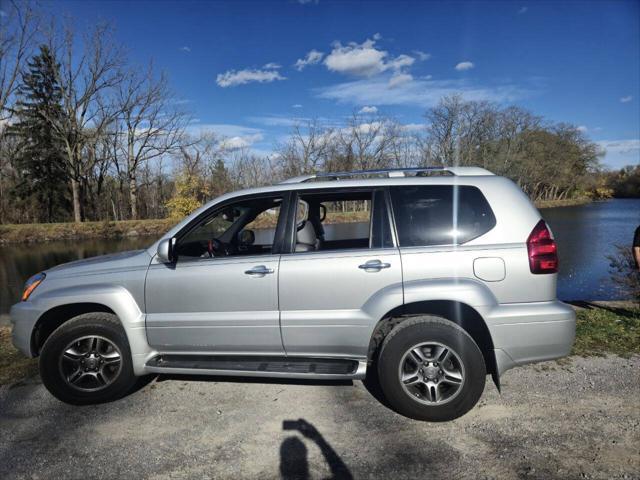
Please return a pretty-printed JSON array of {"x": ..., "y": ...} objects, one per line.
[{"x": 576, "y": 420}]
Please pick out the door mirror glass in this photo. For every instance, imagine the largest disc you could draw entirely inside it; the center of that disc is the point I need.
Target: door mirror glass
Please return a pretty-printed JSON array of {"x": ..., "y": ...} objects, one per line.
[
  {"x": 323, "y": 212},
  {"x": 246, "y": 237},
  {"x": 165, "y": 250}
]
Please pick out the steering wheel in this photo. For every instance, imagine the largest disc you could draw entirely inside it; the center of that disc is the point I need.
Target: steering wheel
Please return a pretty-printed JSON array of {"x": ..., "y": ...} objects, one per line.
[{"x": 216, "y": 248}]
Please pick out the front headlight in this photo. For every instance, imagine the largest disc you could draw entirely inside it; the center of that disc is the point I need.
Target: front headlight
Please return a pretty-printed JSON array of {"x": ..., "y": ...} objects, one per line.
[{"x": 31, "y": 285}]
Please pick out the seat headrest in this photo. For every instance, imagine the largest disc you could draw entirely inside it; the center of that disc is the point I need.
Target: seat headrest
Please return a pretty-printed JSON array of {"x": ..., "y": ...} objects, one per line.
[{"x": 306, "y": 234}]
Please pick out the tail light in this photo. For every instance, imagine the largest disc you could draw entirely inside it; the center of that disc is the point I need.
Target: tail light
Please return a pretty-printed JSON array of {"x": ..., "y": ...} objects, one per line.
[{"x": 543, "y": 254}]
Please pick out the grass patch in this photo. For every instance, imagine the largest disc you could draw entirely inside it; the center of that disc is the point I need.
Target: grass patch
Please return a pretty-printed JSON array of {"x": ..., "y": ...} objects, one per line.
[
  {"x": 566, "y": 202},
  {"x": 14, "y": 366},
  {"x": 602, "y": 330}
]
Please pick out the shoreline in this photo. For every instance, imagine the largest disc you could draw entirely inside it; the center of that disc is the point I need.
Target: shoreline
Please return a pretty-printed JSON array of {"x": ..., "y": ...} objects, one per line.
[
  {"x": 46, "y": 232},
  {"x": 567, "y": 202}
]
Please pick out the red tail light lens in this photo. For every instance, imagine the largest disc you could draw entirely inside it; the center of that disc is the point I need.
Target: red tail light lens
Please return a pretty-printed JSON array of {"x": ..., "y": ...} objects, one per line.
[{"x": 543, "y": 254}]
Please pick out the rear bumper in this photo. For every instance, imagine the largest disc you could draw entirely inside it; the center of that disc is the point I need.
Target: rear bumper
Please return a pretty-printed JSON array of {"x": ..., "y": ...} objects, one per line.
[{"x": 530, "y": 332}]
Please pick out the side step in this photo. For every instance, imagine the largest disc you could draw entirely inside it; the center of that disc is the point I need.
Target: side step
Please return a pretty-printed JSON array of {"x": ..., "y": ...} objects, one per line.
[{"x": 260, "y": 366}]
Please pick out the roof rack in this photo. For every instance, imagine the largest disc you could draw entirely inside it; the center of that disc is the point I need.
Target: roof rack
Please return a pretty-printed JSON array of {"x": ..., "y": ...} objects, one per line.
[{"x": 390, "y": 173}]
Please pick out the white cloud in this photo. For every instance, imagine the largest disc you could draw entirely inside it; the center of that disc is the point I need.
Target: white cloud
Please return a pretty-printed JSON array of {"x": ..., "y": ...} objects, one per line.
[
  {"x": 462, "y": 66},
  {"x": 582, "y": 128},
  {"x": 236, "y": 143},
  {"x": 364, "y": 59},
  {"x": 233, "y": 78},
  {"x": 232, "y": 137},
  {"x": 523, "y": 10},
  {"x": 422, "y": 56},
  {"x": 416, "y": 92},
  {"x": 619, "y": 153},
  {"x": 413, "y": 127},
  {"x": 368, "y": 109},
  {"x": 276, "y": 120},
  {"x": 626, "y": 99},
  {"x": 272, "y": 66},
  {"x": 185, "y": 49},
  {"x": 224, "y": 129},
  {"x": 312, "y": 57},
  {"x": 296, "y": 105},
  {"x": 399, "y": 78}
]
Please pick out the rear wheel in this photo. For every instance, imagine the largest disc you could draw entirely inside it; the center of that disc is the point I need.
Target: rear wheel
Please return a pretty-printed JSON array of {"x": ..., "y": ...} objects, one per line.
[
  {"x": 87, "y": 360},
  {"x": 431, "y": 369}
]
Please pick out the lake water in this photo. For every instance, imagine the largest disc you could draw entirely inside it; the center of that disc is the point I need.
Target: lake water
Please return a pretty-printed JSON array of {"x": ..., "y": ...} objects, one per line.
[{"x": 586, "y": 234}]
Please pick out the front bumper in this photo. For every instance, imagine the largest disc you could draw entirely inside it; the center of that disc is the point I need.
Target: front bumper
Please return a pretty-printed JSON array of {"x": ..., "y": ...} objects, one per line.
[
  {"x": 23, "y": 317},
  {"x": 530, "y": 332}
]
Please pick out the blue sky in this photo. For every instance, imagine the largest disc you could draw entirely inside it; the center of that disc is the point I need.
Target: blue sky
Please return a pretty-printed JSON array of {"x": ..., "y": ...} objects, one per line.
[{"x": 249, "y": 68}]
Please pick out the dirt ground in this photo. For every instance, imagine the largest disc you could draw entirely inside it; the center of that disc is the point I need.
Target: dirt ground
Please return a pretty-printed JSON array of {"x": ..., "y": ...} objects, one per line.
[{"x": 578, "y": 419}]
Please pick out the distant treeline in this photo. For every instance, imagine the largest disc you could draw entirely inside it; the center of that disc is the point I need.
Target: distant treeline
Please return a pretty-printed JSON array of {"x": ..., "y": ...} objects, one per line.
[{"x": 87, "y": 135}]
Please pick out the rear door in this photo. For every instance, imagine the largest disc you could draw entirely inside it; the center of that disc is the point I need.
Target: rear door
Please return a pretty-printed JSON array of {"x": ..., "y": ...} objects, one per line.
[{"x": 331, "y": 297}]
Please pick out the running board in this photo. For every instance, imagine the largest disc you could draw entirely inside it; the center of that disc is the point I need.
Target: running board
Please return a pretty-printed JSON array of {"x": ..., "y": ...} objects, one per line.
[{"x": 258, "y": 366}]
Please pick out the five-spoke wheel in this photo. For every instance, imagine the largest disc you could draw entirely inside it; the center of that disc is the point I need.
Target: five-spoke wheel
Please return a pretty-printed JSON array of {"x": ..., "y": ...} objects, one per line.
[
  {"x": 90, "y": 363},
  {"x": 432, "y": 372}
]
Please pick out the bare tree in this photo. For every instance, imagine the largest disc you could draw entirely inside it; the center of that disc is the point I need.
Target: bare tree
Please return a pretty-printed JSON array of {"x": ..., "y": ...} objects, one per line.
[
  {"x": 86, "y": 78},
  {"x": 149, "y": 125},
  {"x": 18, "y": 33},
  {"x": 306, "y": 149}
]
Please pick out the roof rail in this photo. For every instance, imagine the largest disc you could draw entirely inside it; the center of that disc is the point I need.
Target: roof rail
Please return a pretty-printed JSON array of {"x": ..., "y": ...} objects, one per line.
[{"x": 390, "y": 173}]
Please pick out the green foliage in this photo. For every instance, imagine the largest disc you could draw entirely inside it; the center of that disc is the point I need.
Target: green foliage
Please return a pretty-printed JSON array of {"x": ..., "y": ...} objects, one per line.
[
  {"x": 603, "y": 330},
  {"x": 39, "y": 161},
  {"x": 625, "y": 182},
  {"x": 190, "y": 191}
]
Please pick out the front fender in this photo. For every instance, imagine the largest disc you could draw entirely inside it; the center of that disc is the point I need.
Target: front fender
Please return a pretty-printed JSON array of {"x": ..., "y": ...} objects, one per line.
[{"x": 26, "y": 315}]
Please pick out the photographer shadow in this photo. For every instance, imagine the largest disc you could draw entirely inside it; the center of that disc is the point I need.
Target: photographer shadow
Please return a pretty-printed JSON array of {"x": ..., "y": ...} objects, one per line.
[{"x": 294, "y": 462}]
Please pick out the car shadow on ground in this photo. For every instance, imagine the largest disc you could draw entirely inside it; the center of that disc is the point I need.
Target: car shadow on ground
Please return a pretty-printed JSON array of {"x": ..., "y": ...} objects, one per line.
[{"x": 618, "y": 310}]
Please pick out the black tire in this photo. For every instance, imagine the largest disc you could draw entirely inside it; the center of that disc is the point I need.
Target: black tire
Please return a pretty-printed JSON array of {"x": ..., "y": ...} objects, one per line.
[
  {"x": 99, "y": 324},
  {"x": 412, "y": 332}
]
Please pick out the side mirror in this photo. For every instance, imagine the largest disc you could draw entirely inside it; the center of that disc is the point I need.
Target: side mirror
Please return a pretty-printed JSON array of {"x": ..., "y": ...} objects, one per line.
[
  {"x": 323, "y": 212},
  {"x": 246, "y": 237},
  {"x": 165, "y": 250}
]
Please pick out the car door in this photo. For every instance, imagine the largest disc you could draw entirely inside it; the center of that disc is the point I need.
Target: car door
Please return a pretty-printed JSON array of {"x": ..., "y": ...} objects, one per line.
[
  {"x": 332, "y": 296},
  {"x": 220, "y": 304}
]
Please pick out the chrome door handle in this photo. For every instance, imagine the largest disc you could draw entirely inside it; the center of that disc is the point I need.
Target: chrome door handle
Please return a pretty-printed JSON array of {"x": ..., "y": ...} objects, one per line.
[
  {"x": 374, "y": 265},
  {"x": 259, "y": 270}
]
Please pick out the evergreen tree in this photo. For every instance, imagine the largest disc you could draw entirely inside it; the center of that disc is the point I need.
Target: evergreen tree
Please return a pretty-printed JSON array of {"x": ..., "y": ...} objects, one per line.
[{"x": 40, "y": 161}]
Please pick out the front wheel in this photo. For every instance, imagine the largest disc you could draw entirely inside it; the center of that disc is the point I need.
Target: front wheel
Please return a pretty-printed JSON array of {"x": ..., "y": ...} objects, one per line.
[
  {"x": 431, "y": 369},
  {"x": 87, "y": 360}
]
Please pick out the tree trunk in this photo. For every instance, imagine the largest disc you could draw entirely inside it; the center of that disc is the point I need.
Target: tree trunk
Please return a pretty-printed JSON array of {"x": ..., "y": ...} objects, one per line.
[
  {"x": 133, "y": 198},
  {"x": 75, "y": 189}
]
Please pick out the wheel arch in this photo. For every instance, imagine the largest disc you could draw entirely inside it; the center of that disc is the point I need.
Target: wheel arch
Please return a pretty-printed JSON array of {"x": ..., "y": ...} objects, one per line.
[
  {"x": 460, "y": 313},
  {"x": 55, "y": 317}
]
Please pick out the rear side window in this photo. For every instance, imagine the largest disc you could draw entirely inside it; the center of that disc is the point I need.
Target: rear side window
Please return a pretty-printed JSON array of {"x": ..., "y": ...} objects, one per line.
[{"x": 440, "y": 214}]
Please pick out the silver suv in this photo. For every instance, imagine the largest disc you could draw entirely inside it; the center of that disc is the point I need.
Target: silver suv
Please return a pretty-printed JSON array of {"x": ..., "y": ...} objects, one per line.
[{"x": 421, "y": 281}]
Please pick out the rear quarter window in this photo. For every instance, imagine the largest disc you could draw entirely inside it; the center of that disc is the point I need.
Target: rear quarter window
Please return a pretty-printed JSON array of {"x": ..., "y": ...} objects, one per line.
[{"x": 440, "y": 214}]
